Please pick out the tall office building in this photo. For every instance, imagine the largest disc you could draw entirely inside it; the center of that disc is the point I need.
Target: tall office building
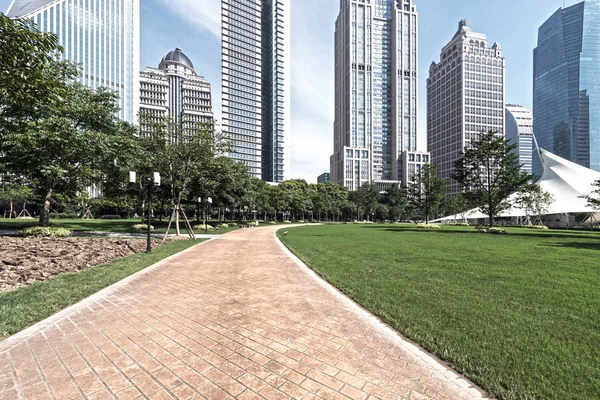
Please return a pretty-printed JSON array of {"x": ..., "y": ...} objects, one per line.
[
  {"x": 175, "y": 91},
  {"x": 465, "y": 97},
  {"x": 103, "y": 36},
  {"x": 519, "y": 131},
  {"x": 256, "y": 85},
  {"x": 566, "y": 86},
  {"x": 376, "y": 75}
]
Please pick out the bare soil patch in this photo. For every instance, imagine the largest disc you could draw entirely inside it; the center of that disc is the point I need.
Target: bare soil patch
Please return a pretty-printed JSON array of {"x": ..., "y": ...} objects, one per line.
[{"x": 24, "y": 261}]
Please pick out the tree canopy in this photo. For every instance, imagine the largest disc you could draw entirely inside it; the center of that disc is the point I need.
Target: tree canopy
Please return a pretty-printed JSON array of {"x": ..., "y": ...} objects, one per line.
[{"x": 489, "y": 173}]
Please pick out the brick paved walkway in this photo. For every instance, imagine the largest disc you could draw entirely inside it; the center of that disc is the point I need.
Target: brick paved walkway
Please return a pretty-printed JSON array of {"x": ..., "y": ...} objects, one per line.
[{"x": 235, "y": 317}]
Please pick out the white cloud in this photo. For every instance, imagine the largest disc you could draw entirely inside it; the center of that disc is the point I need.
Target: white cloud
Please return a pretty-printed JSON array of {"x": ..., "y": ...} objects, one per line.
[{"x": 204, "y": 14}]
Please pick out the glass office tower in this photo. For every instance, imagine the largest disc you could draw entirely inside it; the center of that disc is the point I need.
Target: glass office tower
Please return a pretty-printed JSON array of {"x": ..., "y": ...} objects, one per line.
[
  {"x": 566, "y": 88},
  {"x": 102, "y": 36},
  {"x": 256, "y": 85},
  {"x": 376, "y": 76}
]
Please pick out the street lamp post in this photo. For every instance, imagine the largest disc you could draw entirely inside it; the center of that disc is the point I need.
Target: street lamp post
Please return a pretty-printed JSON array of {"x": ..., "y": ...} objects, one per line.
[{"x": 150, "y": 184}]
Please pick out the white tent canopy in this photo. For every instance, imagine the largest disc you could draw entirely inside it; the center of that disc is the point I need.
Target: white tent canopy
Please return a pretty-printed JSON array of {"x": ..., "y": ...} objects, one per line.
[{"x": 563, "y": 179}]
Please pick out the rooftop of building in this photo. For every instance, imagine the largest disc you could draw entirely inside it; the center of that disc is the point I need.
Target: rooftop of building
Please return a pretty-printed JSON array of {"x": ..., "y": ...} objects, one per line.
[
  {"x": 178, "y": 57},
  {"x": 21, "y": 8}
]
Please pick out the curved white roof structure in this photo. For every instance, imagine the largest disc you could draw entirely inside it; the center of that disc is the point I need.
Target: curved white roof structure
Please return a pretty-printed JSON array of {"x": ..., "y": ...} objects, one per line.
[{"x": 564, "y": 180}]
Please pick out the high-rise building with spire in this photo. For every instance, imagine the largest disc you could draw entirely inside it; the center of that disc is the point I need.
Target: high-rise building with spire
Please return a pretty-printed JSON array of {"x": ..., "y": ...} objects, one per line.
[{"x": 465, "y": 97}]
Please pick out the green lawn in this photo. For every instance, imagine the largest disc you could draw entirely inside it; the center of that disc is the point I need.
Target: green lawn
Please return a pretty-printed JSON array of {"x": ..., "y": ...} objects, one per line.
[
  {"x": 518, "y": 314},
  {"x": 99, "y": 225},
  {"x": 26, "y": 306}
]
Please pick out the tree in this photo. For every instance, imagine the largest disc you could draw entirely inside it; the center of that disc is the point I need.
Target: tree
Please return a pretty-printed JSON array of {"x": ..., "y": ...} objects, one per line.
[
  {"x": 458, "y": 204},
  {"x": 594, "y": 202},
  {"x": 180, "y": 150},
  {"x": 397, "y": 200},
  {"x": 489, "y": 173},
  {"x": 366, "y": 199},
  {"x": 535, "y": 201},
  {"x": 69, "y": 147},
  {"x": 32, "y": 78},
  {"x": 427, "y": 191},
  {"x": 14, "y": 191}
]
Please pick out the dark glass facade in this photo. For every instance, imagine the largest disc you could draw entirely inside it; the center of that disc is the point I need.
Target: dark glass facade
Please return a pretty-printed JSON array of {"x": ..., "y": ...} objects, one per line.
[{"x": 566, "y": 88}]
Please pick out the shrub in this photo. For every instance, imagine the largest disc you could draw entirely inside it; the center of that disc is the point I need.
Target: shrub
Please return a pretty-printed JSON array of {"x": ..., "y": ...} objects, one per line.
[
  {"x": 261, "y": 221},
  {"x": 369, "y": 222},
  {"x": 48, "y": 232},
  {"x": 224, "y": 226},
  {"x": 287, "y": 222},
  {"x": 63, "y": 216},
  {"x": 202, "y": 227},
  {"x": 141, "y": 228},
  {"x": 302, "y": 221},
  {"x": 273, "y": 223},
  {"x": 429, "y": 226},
  {"x": 110, "y": 217},
  {"x": 540, "y": 227},
  {"x": 497, "y": 231}
]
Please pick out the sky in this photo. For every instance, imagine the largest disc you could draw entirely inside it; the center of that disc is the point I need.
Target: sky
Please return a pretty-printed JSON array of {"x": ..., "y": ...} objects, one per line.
[{"x": 194, "y": 26}]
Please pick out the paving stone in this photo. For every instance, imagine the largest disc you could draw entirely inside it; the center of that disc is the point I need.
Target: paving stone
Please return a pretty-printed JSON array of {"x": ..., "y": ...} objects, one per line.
[{"x": 236, "y": 317}]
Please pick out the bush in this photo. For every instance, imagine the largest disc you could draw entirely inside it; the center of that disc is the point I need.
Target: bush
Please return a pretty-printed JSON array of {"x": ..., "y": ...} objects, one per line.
[
  {"x": 429, "y": 226},
  {"x": 261, "y": 221},
  {"x": 369, "y": 222},
  {"x": 63, "y": 216},
  {"x": 110, "y": 217},
  {"x": 497, "y": 231},
  {"x": 47, "y": 232},
  {"x": 142, "y": 228},
  {"x": 301, "y": 221},
  {"x": 273, "y": 223},
  {"x": 224, "y": 226},
  {"x": 540, "y": 227},
  {"x": 203, "y": 227},
  {"x": 287, "y": 222}
]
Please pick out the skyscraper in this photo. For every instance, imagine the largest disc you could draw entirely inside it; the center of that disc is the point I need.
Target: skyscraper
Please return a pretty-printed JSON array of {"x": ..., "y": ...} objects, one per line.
[
  {"x": 465, "y": 97},
  {"x": 175, "y": 91},
  {"x": 256, "y": 85},
  {"x": 101, "y": 35},
  {"x": 519, "y": 131},
  {"x": 566, "y": 85},
  {"x": 376, "y": 76}
]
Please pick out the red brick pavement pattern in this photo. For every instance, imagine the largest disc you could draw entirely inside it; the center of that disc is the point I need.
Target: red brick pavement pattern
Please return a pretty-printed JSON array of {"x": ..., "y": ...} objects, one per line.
[{"x": 236, "y": 317}]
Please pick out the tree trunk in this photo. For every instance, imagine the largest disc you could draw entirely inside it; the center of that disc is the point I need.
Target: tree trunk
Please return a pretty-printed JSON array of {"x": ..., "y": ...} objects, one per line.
[
  {"x": 10, "y": 214},
  {"x": 142, "y": 210},
  {"x": 45, "y": 213},
  {"x": 177, "y": 230}
]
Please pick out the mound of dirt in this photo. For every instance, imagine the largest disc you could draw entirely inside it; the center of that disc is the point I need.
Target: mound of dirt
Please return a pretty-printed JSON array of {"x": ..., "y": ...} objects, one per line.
[{"x": 24, "y": 261}]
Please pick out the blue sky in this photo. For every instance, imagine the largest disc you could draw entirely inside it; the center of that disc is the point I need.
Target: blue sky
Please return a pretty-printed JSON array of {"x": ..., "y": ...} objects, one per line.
[{"x": 193, "y": 25}]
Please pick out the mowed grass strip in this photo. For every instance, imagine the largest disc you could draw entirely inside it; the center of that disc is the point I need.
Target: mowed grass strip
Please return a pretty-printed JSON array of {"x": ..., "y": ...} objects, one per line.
[
  {"x": 28, "y": 305},
  {"x": 518, "y": 314}
]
